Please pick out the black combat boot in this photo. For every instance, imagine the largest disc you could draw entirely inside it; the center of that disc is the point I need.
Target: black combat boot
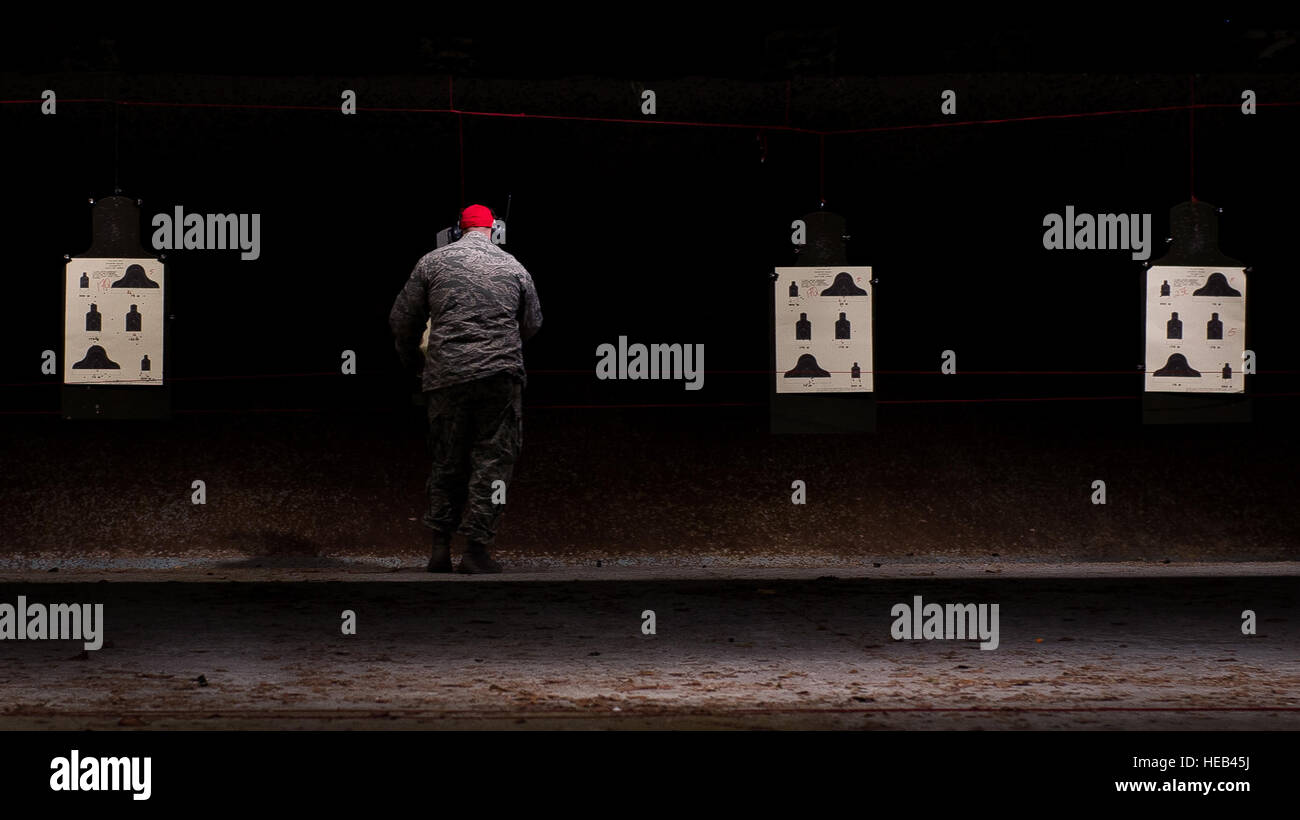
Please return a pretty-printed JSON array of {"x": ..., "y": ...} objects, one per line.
[
  {"x": 476, "y": 560},
  {"x": 440, "y": 559}
]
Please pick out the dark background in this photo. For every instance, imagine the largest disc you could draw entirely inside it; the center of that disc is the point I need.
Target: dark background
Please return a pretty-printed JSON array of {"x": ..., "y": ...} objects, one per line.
[{"x": 662, "y": 232}]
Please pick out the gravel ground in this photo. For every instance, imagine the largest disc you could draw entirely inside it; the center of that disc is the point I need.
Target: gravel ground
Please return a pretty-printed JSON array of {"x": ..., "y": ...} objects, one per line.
[
  {"x": 769, "y": 614},
  {"x": 635, "y": 485},
  {"x": 1122, "y": 648}
]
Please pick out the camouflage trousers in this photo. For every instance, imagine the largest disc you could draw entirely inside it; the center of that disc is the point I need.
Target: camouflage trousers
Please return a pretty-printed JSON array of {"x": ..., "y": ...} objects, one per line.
[{"x": 475, "y": 432}]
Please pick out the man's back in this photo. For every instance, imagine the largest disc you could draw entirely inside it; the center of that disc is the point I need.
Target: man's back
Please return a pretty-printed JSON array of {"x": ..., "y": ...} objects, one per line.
[{"x": 480, "y": 304}]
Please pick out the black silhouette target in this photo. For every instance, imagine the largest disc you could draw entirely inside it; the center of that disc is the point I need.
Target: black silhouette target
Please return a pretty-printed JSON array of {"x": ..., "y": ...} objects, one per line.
[
  {"x": 1217, "y": 285},
  {"x": 807, "y": 368},
  {"x": 1177, "y": 366},
  {"x": 843, "y": 286},
  {"x": 135, "y": 277},
  {"x": 96, "y": 358}
]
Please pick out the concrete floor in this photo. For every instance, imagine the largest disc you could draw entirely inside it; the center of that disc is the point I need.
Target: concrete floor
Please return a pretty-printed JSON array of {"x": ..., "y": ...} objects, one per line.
[{"x": 1083, "y": 646}]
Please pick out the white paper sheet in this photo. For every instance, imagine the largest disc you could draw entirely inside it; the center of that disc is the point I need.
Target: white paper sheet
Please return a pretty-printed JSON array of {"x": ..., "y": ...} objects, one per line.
[
  {"x": 1193, "y": 314},
  {"x": 844, "y": 312},
  {"x": 130, "y": 322}
]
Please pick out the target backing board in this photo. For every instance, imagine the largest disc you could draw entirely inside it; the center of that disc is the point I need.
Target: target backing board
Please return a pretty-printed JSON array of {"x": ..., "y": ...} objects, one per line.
[
  {"x": 823, "y": 329},
  {"x": 113, "y": 321},
  {"x": 1195, "y": 329}
]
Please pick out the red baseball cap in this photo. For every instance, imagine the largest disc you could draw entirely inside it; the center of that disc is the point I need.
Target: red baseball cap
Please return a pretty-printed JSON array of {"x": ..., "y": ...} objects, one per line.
[{"x": 475, "y": 216}]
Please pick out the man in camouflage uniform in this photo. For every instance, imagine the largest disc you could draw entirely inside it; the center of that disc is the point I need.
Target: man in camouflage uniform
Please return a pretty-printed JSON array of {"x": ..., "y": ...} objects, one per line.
[{"x": 480, "y": 305}]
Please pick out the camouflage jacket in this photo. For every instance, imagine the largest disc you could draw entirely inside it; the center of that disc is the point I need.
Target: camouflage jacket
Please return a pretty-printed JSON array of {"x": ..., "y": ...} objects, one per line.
[{"x": 479, "y": 304}]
